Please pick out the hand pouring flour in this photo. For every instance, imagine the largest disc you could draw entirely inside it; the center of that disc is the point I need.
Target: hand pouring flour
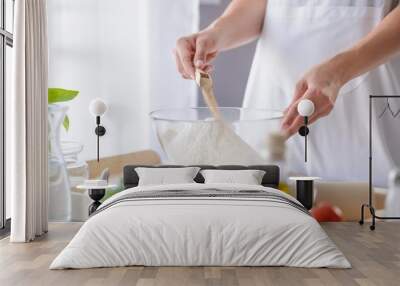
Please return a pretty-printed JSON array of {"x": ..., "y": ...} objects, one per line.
[{"x": 210, "y": 141}]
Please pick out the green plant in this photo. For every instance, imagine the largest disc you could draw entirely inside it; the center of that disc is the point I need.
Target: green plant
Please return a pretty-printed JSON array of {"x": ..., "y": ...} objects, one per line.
[
  {"x": 56, "y": 95},
  {"x": 112, "y": 191}
]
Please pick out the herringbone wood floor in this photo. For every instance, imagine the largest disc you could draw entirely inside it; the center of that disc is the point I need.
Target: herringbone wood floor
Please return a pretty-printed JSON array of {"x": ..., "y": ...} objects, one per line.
[{"x": 375, "y": 257}]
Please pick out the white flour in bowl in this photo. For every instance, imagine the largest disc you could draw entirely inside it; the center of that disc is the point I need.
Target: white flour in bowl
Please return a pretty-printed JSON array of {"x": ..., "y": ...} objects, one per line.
[{"x": 206, "y": 142}]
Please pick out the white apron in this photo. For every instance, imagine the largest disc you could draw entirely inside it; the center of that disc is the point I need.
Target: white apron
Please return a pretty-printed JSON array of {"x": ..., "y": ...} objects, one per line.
[{"x": 299, "y": 34}]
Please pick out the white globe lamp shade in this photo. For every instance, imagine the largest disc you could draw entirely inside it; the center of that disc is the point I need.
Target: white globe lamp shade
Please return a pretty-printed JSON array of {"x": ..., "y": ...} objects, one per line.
[
  {"x": 306, "y": 108},
  {"x": 97, "y": 107}
]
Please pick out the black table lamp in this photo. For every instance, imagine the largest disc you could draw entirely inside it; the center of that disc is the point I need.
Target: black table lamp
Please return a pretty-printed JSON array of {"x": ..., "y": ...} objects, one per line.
[
  {"x": 305, "y": 108},
  {"x": 97, "y": 108}
]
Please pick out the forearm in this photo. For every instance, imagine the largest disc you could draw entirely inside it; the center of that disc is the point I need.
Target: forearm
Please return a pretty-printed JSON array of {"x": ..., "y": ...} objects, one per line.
[
  {"x": 377, "y": 47},
  {"x": 241, "y": 22}
]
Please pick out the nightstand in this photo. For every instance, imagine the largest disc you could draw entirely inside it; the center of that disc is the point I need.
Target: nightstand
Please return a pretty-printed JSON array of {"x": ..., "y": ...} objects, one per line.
[
  {"x": 96, "y": 193},
  {"x": 305, "y": 190}
]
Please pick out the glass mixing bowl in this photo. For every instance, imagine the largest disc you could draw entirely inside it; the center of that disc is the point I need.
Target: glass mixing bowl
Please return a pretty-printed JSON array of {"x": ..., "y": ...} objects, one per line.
[{"x": 191, "y": 135}]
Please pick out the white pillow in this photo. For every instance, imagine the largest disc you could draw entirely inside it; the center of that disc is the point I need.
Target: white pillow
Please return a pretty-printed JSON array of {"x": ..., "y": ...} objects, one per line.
[
  {"x": 165, "y": 176},
  {"x": 248, "y": 177}
]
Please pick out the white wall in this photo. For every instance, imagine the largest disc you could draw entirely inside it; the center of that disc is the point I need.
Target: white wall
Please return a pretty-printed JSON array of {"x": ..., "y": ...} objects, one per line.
[{"x": 121, "y": 51}]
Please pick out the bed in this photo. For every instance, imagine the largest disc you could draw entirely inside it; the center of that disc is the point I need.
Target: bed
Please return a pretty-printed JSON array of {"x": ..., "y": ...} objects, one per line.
[{"x": 198, "y": 224}]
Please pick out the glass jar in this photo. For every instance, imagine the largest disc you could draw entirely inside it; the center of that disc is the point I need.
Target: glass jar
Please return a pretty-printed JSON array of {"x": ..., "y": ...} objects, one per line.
[
  {"x": 77, "y": 169},
  {"x": 78, "y": 172},
  {"x": 59, "y": 184}
]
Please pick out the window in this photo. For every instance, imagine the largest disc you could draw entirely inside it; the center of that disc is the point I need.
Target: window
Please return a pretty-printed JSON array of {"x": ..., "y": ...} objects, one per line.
[{"x": 6, "y": 44}]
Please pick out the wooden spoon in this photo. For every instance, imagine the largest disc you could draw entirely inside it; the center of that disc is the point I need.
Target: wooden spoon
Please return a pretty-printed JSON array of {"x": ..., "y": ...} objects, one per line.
[{"x": 205, "y": 83}]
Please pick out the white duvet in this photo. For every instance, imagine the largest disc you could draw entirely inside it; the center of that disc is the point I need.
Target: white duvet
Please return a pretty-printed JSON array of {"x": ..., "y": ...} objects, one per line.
[{"x": 199, "y": 231}]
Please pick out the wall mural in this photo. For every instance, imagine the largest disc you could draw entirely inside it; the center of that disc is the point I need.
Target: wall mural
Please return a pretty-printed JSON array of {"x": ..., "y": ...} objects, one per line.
[{"x": 108, "y": 50}]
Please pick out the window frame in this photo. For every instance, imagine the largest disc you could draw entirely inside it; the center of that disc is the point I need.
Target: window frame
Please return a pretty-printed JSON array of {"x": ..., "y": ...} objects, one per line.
[{"x": 6, "y": 39}]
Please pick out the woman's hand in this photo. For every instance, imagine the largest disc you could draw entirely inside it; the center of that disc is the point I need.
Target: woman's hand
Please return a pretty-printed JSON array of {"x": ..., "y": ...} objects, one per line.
[
  {"x": 196, "y": 51},
  {"x": 321, "y": 85},
  {"x": 241, "y": 23}
]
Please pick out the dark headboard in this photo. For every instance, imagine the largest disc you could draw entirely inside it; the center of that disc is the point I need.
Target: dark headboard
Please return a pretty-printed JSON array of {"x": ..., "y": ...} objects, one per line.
[{"x": 271, "y": 177}]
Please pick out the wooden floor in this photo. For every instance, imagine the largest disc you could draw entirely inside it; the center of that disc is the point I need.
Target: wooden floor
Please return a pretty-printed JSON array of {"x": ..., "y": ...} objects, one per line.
[{"x": 375, "y": 257}]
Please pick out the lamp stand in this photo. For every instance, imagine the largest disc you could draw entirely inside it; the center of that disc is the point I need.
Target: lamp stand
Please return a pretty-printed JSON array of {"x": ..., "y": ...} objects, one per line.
[
  {"x": 304, "y": 131},
  {"x": 100, "y": 131}
]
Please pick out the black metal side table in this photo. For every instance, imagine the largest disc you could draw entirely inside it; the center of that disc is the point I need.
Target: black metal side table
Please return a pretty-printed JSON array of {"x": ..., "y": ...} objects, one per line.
[
  {"x": 305, "y": 190},
  {"x": 96, "y": 193}
]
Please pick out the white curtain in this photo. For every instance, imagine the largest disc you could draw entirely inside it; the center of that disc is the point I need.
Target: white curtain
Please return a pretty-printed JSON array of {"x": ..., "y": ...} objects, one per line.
[
  {"x": 27, "y": 123},
  {"x": 120, "y": 51}
]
